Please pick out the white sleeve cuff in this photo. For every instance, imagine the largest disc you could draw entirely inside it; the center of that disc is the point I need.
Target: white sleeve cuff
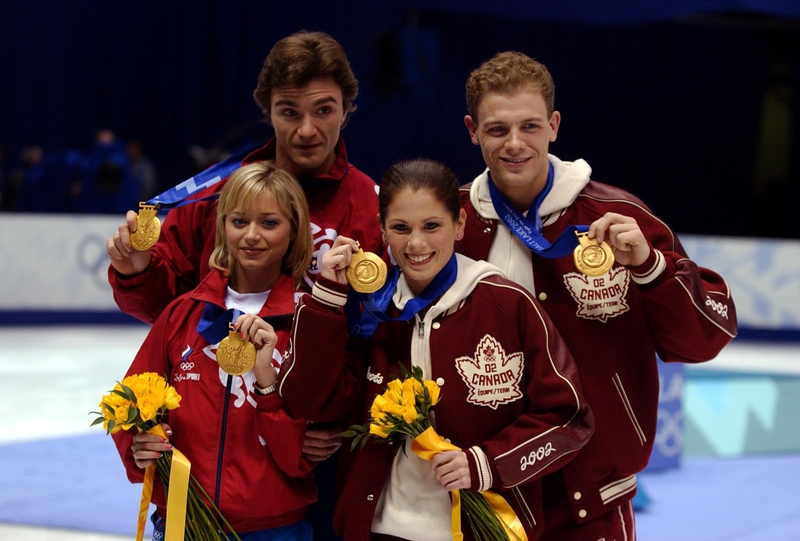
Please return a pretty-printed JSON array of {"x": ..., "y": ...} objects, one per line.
[
  {"x": 328, "y": 297},
  {"x": 484, "y": 471},
  {"x": 654, "y": 272}
]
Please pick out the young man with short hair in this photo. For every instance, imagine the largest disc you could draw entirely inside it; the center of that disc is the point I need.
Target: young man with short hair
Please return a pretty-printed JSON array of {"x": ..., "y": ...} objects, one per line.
[{"x": 653, "y": 301}]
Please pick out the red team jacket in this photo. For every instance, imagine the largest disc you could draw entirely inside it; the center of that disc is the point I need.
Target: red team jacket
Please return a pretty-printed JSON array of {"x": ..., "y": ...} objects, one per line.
[
  {"x": 508, "y": 386},
  {"x": 252, "y": 448},
  {"x": 342, "y": 202},
  {"x": 614, "y": 329}
]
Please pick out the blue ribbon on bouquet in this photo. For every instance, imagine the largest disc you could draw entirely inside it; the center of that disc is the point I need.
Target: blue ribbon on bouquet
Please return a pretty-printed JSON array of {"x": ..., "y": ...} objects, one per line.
[
  {"x": 362, "y": 323},
  {"x": 179, "y": 195},
  {"x": 529, "y": 229}
]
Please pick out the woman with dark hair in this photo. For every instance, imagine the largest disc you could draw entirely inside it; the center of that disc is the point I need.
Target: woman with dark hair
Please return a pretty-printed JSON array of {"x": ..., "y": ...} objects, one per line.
[{"x": 510, "y": 396}]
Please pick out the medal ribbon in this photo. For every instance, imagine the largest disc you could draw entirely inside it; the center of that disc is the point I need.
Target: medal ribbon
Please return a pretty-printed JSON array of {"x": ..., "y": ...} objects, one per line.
[
  {"x": 428, "y": 444},
  {"x": 176, "y": 495},
  {"x": 363, "y": 323},
  {"x": 213, "y": 324},
  {"x": 178, "y": 196},
  {"x": 529, "y": 229}
]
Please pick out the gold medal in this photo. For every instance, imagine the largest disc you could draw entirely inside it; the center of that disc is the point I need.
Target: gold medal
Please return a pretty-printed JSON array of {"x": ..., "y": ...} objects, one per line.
[
  {"x": 366, "y": 272},
  {"x": 591, "y": 258},
  {"x": 236, "y": 355},
  {"x": 148, "y": 228}
]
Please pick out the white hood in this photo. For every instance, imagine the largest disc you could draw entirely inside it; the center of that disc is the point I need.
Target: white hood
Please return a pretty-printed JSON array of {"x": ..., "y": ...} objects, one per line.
[
  {"x": 412, "y": 489},
  {"x": 470, "y": 272},
  {"x": 569, "y": 178}
]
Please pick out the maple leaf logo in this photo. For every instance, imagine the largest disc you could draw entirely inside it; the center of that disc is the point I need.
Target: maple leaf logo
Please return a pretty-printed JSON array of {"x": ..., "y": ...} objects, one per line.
[
  {"x": 492, "y": 376},
  {"x": 600, "y": 297}
]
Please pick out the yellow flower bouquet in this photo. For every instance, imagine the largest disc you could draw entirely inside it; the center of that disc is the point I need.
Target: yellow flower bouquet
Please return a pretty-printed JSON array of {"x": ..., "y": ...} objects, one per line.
[
  {"x": 141, "y": 401},
  {"x": 401, "y": 411}
]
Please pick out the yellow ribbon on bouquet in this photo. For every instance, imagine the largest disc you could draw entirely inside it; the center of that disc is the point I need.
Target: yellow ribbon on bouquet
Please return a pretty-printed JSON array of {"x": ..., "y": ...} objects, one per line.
[
  {"x": 177, "y": 494},
  {"x": 428, "y": 444}
]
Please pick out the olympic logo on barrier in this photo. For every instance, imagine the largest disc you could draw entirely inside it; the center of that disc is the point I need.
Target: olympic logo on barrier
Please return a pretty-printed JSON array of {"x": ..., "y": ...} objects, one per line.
[
  {"x": 92, "y": 259},
  {"x": 669, "y": 432}
]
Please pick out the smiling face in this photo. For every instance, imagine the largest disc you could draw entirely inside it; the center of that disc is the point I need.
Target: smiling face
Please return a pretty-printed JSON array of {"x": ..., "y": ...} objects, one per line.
[
  {"x": 421, "y": 233},
  {"x": 307, "y": 121},
  {"x": 514, "y": 133},
  {"x": 257, "y": 237}
]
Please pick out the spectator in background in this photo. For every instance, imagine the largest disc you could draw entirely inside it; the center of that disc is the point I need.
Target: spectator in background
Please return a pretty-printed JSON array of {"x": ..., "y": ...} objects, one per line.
[
  {"x": 47, "y": 182},
  {"x": 29, "y": 157},
  {"x": 143, "y": 171},
  {"x": 107, "y": 186}
]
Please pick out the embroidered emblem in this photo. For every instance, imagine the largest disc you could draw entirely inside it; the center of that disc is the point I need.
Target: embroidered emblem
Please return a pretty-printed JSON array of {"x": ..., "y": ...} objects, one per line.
[
  {"x": 323, "y": 240},
  {"x": 492, "y": 376},
  {"x": 536, "y": 456},
  {"x": 718, "y": 307},
  {"x": 374, "y": 378},
  {"x": 186, "y": 366},
  {"x": 599, "y": 297}
]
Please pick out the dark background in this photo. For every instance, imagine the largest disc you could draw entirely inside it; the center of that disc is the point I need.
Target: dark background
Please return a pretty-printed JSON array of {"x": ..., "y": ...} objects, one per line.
[{"x": 689, "y": 105}]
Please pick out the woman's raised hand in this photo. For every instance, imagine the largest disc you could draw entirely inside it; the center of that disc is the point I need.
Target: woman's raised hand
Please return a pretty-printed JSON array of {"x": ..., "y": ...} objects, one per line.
[{"x": 336, "y": 260}]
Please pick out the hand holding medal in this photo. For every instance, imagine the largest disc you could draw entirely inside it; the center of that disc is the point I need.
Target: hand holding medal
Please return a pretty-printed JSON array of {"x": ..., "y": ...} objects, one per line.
[
  {"x": 366, "y": 272},
  {"x": 620, "y": 238},
  {"x": 236, "y": 355},
  {"x": 148, "y": 227},
  {"x": 591, "y": 257}
]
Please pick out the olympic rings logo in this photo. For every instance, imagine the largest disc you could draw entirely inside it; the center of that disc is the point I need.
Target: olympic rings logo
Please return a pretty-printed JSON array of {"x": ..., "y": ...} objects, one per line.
[
  {"x": 92, "y": 259},
  {"x": 187, "y": 366}
]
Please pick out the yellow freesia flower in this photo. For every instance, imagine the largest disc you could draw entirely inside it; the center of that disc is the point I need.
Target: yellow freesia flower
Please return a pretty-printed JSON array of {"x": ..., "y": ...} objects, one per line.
[
  {"x": 433, "y": 390},
  {"x": 409, "y": 413},
  {"x": 394, "y": 391},
  {"x": 380, "y": 430},
  {"x": 148, "y": 406},
  {"x": 172, "y": 399}
]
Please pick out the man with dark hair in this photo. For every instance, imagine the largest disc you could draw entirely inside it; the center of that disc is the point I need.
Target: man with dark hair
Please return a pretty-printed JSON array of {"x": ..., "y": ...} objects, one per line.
[
  {"x": 614, "y": 317},
  {"x": 306, "y": 90}
]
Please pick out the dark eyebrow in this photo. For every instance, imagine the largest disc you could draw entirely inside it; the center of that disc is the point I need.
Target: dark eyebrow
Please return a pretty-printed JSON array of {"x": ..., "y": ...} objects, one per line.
[
  {"x": 326, "y": 99},
  {"x": 292, "y": 103}
]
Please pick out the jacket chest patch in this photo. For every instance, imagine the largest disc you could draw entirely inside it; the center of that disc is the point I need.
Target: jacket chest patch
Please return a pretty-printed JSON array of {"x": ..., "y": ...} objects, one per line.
[
  {"x": 186, "y": 371},
  {"x": 491, "y": 376},
  {"x": 599, "y": 297},
  {"x": 323, "y": 240}
]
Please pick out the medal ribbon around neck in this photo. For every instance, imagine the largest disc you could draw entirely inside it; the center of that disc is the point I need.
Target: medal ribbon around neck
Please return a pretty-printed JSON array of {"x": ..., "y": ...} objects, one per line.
[
  {"x": 148, "y": 226},
  {"x": 529, "y": 229},
  {"x": 178, "y": 195},
  {"x": 213, "y": 324},
  {"x": 363, "y": 323}
]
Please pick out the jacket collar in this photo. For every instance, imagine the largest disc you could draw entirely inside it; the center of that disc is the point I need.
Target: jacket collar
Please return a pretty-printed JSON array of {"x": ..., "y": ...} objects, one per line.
[
  {"x": 214, "y": 286},
  {"x": 568, "y": 181},
  {"x": 337, "y": 171}
]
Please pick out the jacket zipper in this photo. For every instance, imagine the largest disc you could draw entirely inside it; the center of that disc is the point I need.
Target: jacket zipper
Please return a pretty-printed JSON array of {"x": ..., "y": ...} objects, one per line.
[{"x": 228, "y": 386}]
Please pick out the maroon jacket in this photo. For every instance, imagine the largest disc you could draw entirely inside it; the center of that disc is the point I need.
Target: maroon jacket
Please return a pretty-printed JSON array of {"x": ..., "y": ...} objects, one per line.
[
  {"x": 508, "y": 386},
  {"x": 342, "y": 202},
  {"x": 246, "y": 444},
  {"x": 614, "y": 329}
]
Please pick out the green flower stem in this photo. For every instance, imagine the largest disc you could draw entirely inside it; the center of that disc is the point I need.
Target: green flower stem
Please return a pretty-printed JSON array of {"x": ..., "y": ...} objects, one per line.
[
  {"x": 202, "y": 515},
  {"x": 482, "y": 519}
]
